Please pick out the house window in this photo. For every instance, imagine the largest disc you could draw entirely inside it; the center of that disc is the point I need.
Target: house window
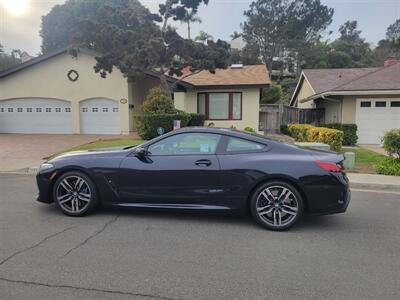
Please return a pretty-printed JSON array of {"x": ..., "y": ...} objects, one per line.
[
  {"x": 220, "y": 106},
  {"x": 48, "y": 109},
  {"x": 38, "y": 109},
  {"x": 85, "y": 109},
  {"x": 10, "y": 110},
  {"x": 29, "y": 109},
  {"x": 19, "y": 109},
  {"x": 67, "y": 109},
  {"x": 395, "y": 103},
  {"x": 365, "y": 104},
  {"x": 58, "y": 109},
  {"x": 95, "y": 109},
  {"x": 380, "y": 104},
  {"x": 2, "y": 109},
  {"x": 115, "y": 109},
  {"x": 105, "y": 109}
]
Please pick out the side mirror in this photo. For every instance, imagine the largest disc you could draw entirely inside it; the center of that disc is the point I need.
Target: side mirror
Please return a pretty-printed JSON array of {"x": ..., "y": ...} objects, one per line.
[{"x": 141, "y": 152}]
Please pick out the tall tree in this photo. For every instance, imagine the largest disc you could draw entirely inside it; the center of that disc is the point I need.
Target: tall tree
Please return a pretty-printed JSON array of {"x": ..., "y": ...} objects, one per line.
[
  {"x": 8, "y": 60},
  {"x": 280, "y": 27},
  {"x": 189, "y": 18},
  {"x": 235, "y": 35},
  {"x": 307, "y": 20},
  {"x": 393, "y": 31},
  {"x": 128, "y": 37},
  {"x": 266, "y": 26}
]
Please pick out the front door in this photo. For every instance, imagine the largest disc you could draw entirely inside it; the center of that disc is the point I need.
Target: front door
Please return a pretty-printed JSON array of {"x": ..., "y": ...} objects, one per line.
[{"x": 179, "y": 170}]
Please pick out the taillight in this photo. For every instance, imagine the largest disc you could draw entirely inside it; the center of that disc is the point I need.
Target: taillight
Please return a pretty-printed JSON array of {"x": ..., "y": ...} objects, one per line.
[{"x": 329, "y": 166}]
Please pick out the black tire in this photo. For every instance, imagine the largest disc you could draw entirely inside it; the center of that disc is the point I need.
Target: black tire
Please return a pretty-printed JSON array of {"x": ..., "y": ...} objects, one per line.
[
  {"x": 281, "y": 210},
  {"x": 88, "y": 205}
]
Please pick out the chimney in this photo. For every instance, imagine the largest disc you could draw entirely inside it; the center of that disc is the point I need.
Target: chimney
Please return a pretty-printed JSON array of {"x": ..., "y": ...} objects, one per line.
[{"x": 390, "y": 62}]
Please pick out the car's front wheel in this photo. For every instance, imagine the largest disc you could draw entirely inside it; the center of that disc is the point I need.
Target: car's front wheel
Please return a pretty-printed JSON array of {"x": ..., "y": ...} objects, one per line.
[
  {"x": 75, "y": 194},
  {"x": 276, "y": 205}
]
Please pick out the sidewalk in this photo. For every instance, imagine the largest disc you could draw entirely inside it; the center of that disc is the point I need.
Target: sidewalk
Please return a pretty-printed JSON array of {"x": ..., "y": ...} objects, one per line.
[{"x": 374, "y": 182}]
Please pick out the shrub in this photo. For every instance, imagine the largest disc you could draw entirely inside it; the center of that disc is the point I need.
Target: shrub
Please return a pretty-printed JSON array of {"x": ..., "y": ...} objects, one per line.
[
  {"x": 197, "y": 119},
  {"x": 299, "y": 131},
  {"x": 158, "y": 102},
  {"x": 285, "y": 129},
  {"x": 249, "y": 129},
  {"x": 391, "y": 142},
  {"x": 388, "y": 166},
  {"x": 350, "y": 132},
  {"x": 309, "y": 133},
  {"x": 332, "y": 137},
  {"x": 147, "y": 124}
]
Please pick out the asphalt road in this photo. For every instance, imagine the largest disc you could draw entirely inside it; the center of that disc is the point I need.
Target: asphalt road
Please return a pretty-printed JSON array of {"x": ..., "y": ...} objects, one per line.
[{"x": 138, "y": 255}]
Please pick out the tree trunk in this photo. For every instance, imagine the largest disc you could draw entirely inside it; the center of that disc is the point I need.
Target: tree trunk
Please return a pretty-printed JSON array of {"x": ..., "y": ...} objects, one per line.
[
  {"x": 188, "y": 30},
  {"x": 165, "y": 85}
]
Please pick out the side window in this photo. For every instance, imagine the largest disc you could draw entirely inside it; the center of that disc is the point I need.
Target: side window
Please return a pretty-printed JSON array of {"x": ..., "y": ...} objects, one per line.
[
  {"x": 186, "y": 143},
  {"x": 240, "y": 145}
]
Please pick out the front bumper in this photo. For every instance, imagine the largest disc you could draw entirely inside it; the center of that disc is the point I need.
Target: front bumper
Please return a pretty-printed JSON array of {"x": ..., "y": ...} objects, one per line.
[{"x": 45, "y": 187}]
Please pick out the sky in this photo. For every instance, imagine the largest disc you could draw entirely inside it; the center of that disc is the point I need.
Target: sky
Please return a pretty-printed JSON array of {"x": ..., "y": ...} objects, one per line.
[{"x": 19, "y": 26}]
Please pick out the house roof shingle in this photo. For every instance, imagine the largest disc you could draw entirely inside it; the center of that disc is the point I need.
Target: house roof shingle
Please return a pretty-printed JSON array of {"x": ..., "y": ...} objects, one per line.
[
  {"x": 256, "y": 75},
  {"x": 356, "y": 79}
]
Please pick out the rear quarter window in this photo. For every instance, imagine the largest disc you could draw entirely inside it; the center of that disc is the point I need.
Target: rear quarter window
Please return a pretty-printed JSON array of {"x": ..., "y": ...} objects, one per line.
[{"x": 242, "y": 145}]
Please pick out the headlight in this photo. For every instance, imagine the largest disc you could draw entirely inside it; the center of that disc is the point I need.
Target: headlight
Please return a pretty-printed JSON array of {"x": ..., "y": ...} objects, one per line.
[{"x": 45, "y": 166}]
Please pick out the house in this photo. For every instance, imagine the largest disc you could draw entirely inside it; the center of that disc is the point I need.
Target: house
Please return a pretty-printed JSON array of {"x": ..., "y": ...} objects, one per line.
[
  {"x": 60, "y": 93},
  {"x": 368, "y": 97}
]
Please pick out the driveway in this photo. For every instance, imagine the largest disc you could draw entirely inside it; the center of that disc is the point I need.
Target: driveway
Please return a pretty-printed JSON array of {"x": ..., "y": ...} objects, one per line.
[
  {"x": 20, "y": 151},
  {"x": 129, "y": 254}
]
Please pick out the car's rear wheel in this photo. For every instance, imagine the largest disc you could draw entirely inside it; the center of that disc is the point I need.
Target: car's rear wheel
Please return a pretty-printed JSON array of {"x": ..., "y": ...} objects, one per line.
[
  {"x": 75, "y": 194},
  {"x": 276, "y": 205}
]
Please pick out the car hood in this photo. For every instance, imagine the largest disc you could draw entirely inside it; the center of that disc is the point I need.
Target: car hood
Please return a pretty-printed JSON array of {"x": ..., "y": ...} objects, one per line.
[{"x": 107, "y": 152}]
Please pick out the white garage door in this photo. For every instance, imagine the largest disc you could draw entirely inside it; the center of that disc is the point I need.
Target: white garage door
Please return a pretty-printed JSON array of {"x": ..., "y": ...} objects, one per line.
[
  {"x": 34, "y": 115},
  {"x": 99, "y": 116},
  {"x": 375, "y": 117}
]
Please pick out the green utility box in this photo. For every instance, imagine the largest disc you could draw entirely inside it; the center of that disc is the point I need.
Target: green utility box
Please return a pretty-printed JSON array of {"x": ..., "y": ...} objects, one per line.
[{"x": 349, "y": 160}]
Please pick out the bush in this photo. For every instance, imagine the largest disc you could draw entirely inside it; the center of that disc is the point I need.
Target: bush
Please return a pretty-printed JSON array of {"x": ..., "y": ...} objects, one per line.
[
  {"x": 388, "y": 166},
  {"x": 147, "y": 124},
  {"x": 249, "y": 129},
  {"x": 350, "y": 132},
  {"x": 157, "y": 102},
  {"x": 309, "y": 133},
  {"x": 391, "y": 142},
  {"x": 197, "y": 119},
  {"x": 285, "y": 129},
  {"x": 299, "y": 131}
]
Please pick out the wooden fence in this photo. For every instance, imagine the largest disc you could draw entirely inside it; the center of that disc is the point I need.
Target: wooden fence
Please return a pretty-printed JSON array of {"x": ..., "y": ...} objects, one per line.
[{"x": 272, "y": 116}]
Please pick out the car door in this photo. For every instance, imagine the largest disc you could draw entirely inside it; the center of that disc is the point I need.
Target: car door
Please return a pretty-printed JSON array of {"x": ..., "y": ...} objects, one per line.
[
  {"x": 239, "y": 161},
  {"x": 181, "y": 169}
]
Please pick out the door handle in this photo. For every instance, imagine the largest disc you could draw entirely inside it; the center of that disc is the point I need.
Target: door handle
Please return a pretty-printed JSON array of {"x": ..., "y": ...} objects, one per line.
[{"x": 203, "y": 163}]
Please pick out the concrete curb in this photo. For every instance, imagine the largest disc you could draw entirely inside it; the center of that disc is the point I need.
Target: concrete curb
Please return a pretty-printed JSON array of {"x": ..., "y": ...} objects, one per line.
[{"x": 369, "y": 186}]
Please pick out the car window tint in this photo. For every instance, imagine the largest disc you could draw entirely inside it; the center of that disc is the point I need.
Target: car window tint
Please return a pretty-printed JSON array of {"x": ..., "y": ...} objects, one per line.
[
  {"x": 186, "y": 143},
  {"x": 240, "y": 145}
]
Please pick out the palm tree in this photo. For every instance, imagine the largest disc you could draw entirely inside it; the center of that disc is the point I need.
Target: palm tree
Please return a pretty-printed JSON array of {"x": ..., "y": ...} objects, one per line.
[
  {"x": 190, "y": 17},
  {"x": 203, "y": 37}
]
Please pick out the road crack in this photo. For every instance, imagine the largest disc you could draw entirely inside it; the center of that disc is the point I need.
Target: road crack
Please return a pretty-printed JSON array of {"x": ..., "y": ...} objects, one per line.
[
  {"x": 34, "y": 245},
  {"x": 113, "y": 220},
  {"x": 135, "y": 294}
]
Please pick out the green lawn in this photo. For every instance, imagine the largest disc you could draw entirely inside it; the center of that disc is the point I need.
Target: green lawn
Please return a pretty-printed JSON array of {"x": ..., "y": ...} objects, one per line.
[
  {"x": 101, "y": 144},
  {"x": 365, "y": 159}
]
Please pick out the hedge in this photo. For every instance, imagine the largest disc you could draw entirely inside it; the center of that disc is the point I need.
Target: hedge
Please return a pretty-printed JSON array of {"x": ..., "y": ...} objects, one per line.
[
  {"x": 309, "y": 133},
  {"x": 350, "y": 132},
  {"x": 147, "y": 124},
  {"x": 197, "y": 119}
]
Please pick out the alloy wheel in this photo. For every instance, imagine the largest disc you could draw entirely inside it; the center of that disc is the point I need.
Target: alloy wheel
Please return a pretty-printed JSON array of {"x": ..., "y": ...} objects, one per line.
[
  {"x": 73, "y": 194},
  {"x": 277, "y": 206}
]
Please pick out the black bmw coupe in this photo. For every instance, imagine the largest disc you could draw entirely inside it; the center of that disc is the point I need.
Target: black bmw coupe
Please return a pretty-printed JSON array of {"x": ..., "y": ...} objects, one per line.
[{"x": 201, "y": 169}]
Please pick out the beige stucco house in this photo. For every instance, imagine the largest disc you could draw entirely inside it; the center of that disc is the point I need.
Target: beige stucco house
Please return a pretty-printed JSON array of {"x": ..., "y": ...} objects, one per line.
[
  {"x": 368, "y": 97},
  {"x": 61, "y": 93}
]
